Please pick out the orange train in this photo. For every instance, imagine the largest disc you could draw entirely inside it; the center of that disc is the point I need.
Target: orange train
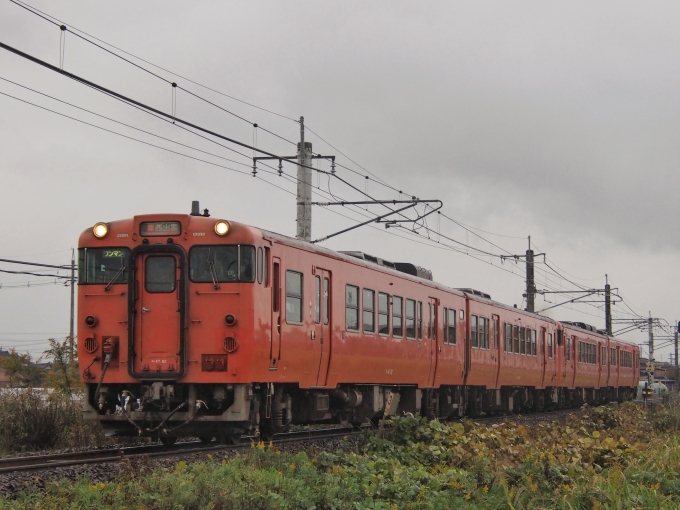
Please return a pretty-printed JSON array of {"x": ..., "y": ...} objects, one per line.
[{"x": 191, "y": 326}]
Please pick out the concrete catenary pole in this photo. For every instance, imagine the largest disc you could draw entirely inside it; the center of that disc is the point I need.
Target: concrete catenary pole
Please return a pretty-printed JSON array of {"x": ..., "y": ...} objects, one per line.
[
  {"x": 531, "y": 287},
  {"x": 304, "y": 187},
  {"x": 73, "y": 300},
  {"x": 677, "y": 373},
  {"x": 651, "y": 337},
  {"x": 607, "y": 306}
]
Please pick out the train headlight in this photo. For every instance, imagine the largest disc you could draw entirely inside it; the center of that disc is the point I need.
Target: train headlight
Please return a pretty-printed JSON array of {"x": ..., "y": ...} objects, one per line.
[
  {"x": 100, "y": 230},
  {"x": 222, "y": 228}
]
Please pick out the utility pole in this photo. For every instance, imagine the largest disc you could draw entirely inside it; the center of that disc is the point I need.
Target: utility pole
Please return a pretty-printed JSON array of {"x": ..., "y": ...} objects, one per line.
[
  {"x": 304, "y": 187},
  {"x": 531, "y": 286},
  {"x": 73, "y": 300},
  {"x": 677, "y": 373},
  {"x": 607, "y": 306},
  {"x": 650, "y": 326}
]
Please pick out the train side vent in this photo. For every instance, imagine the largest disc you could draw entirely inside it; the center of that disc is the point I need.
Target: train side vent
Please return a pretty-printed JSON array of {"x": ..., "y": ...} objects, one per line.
[
  {"x": 476, "y": 293},
  {"x": 91, "y": 344},
  {"x": 230, "y": 344}
]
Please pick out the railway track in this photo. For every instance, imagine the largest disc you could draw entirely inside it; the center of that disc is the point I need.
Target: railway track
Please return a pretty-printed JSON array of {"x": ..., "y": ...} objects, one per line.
[{"x": 115, "y": 455}]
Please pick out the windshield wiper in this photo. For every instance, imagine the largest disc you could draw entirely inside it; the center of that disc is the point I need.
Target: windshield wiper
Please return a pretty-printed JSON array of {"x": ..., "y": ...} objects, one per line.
[
  {"x": 118, "y": 273},
  {"x": 213, "y": 272}
]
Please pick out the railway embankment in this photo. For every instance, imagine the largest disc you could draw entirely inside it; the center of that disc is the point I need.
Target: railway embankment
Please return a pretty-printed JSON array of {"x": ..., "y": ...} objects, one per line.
[{"x": 619, "y": 456}]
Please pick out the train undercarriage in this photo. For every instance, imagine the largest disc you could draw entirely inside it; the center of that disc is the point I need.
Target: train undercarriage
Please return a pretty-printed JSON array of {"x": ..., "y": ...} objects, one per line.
[{"x": 167, "y": 411}]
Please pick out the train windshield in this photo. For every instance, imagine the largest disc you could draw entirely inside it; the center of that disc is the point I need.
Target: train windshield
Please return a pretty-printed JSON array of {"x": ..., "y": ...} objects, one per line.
[
  {"x": 103, "y": 265},
  {"x": 220, "y": 264}
]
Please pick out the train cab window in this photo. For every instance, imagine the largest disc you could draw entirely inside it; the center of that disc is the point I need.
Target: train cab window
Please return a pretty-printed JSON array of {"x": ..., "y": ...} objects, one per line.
[
  {"x": 550, "y": 345},
  {"x": 450, "y": 326},
  {"x": 160, "y": 274},
  {"x": 473, "y": 331},
  {"x": 515, "y": 339},
  {"x": 317, "y": 299},
  {"x": 352, "y": 307},
  {"x": 103, "y": 265},
  {"x": 221, "y": 264},
  {"x": 419, "y": 319},
  {"x": 293, "y": 297},
  {"x": 369, "y": 311},
  {"x": 522, "y": 340},
  {"x": 397, "y": 316},
  {"x": 383, "y": 313},
  {"x": 533, "y": 342},
  {"x": 410, "y": 319},
  {"x": 260, "y": 265}
]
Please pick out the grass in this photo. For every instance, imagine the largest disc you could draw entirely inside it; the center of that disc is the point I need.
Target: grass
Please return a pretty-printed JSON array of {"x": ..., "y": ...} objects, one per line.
[{"x": 620, "y": 457}]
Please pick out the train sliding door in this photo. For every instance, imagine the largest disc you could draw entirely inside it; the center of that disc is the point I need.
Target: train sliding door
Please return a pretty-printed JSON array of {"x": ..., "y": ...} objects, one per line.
[
  {"x": 431, "y": 338},
  {"x": 324, "y": 279},
  {"x": 275, "y": 338}
]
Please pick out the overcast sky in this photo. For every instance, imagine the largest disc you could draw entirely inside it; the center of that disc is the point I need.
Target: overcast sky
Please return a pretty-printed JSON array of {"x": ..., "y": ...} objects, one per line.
[{"x": 555, "y": 120}]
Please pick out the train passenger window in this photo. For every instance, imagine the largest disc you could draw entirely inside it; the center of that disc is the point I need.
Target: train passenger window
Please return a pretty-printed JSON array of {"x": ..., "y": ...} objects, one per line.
[
  {"x": 411, "y": 319},
  {"x": 533, "y": 342},
  {"x": 293, "y": 297},
  {"x": 483, "y": 333},
  {"x": 522, "y": 340},
  {"x": 369, "y": 311},
  {"x": 507, "y": 345},
  {"x": 550, "y": 345},
  {"x": 260, "y": 265},
  {"x": 326, "y": 300},
  {"x": 604, "y": 355},
  {"x": 450, "y": 331},
  {"x": 383, "y": 314},
  {"x": 317, "y": 299},
  {"x": 420, "y": 320},
  {"x": 160, "y": 274},
  {"x": 515, "y": 339},
  {"x": 612, "y": 356},
  {"x": 103, "y": 265},
  {"x": 397, "y": 316},
  {"x": 462, "y": 315},
  {"x": 352, "y": 307},
  {"x": 567, "y": 349},
  {"x": 429, "y": 320},
  {"x": 473, "y": 331}
]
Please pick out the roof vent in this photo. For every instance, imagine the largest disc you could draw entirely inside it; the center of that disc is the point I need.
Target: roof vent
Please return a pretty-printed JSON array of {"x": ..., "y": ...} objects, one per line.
[
  {"x": 581, "y": 325},
  {"x": 404, "y": 267},
  {"x": 413, "y": 270},
  {"x": 476, "y": 293}
]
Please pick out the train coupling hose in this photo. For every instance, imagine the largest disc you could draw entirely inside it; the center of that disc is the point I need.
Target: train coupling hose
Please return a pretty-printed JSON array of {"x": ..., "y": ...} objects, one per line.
[{"x": 109, "y": 348}]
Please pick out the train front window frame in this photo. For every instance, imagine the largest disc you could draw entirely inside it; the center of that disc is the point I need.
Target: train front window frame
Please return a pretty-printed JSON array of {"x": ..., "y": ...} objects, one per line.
[
  {"x": 94, "y": 269},
  {"x": 222, "y": 263}
]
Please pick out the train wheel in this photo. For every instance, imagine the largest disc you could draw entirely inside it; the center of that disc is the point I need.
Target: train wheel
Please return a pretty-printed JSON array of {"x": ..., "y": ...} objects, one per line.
[
  {"x": 233, "y": 439},
  {"x": 168, "y": 441},
  {"x": 205, "y": 439}
]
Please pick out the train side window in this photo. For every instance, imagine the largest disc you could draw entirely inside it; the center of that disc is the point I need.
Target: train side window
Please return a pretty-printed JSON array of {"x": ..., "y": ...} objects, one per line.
[
  {"x": 450, "y": 332},
  {"x": 612, "y": 356},
  {"x": 317, "y": 299},
  {"x": 276, "y": 305},
  {"x": 541, "y": 347},
  {"x": 533, "y": 342},
  {"x": 397, "y": 316},
  {"x": 352, "y": 307},
  {"x": 265, "y": 273},
  {"x": 369, "y": 311},
  {"x": 429, "y": 320},
  {"x": 567, "y": 349},
  {"x": 419, "y": 327},
  {"x": 260, "y": 265},
  {"x": 410, "y": 319},
  {"x": 293, "y": 297},
  {"x": 515, "y": 339},
  {"x": 522, "y": 340},
  {"x": 604, "y": 355},
  {"x": 326, "y": 300},
  {"x": 383, "y": 313},
  {"x": 473, "y": 331},
  {"x": 550, "y": 345},
  {"x": 484, "y": 333},
  {"x": 507, "y": 345},
  {"x": 462, "y": 315}
]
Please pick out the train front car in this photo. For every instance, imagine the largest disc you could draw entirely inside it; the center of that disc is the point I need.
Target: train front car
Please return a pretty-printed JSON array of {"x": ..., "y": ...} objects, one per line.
[{"x": 165, "y": 305}]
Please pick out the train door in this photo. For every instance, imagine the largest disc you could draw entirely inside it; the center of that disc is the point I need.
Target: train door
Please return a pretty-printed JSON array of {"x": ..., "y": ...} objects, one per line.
[
  {"x": 542, "y": 357},
  {"x": 324, "y": 326},
  {"x": 572, "y": 362},
  {"x": 496, "y": 346},
  {"x": 431, "y": 340},
  {"x": 157, "y": 348},
  {"x": 275, "y": 339},
  {"x": 600, "y": 359}
]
